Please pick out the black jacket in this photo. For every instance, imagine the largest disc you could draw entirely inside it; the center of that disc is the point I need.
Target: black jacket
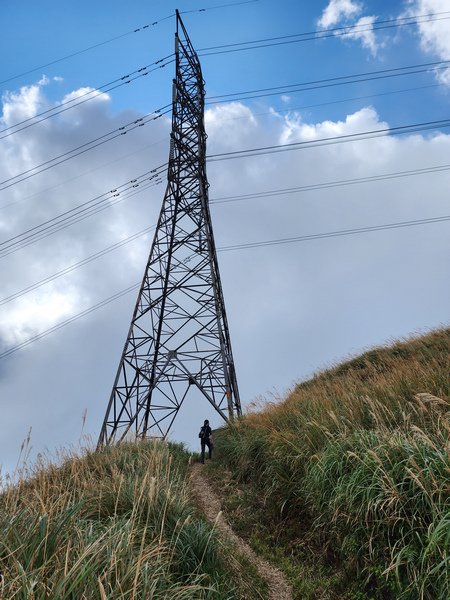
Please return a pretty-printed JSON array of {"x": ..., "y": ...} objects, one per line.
[{"x": 205, "y": 432}]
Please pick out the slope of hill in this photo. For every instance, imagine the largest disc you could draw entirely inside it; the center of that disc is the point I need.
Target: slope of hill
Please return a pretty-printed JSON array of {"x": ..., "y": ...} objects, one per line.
[
  {"x": 114, "y": 524},
  {"x": 346, "y": 483}
]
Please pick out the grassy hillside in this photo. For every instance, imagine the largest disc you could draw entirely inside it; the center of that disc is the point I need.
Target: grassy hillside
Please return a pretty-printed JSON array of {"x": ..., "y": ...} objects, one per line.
[
  {"x": 114, "y": 524},
  {"x": 347, "y": 482}
]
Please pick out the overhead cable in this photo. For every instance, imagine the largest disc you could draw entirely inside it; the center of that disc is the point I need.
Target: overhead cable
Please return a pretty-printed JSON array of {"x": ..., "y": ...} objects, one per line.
[
  {"x": 274, "y": 193},
  {"x": 338, "y": 139},
  {"x": 41, "y": 232},
  {"x": 118, "y": 37},
  {"x": 142, "y": 72},
  {"x": 9, "y": 245},
  {"x": 331, "y": 234},
  {"x": 103, "y": 139},
  {"x": 234, "y": 247},
  {"x": 82, "y": 98},
  {"x": 58, "y": 326},
  {"x": 345, "y": 31},
  {"x": 98, "y": 167},
  {"x": 341, "y": 101},
  {"x": 74, "y": 266},
  {"x": 340, "y": 80},
  {"x": 330, "y": 82},
  {"x": 331, "y": 184}
]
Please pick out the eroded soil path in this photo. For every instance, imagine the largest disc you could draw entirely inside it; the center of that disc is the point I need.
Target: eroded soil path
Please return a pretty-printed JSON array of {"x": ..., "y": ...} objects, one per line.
[{"x": 209, "y": 502}]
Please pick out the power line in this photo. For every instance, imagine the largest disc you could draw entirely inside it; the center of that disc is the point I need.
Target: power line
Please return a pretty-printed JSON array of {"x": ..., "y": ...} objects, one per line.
[
  {"x": 117, "y": 37},
  {"x": 340, "y": 80},
  {"x": 304, "y": 238},
  {"x": 21, "y": 239},
  {"x": 225, "y": 200},
  {"x": 73, "y": 221},
  {"x": 331, "y": 184},
  {"x": 411, "y": 20},
  {"x": 75, "y": 266},
  {"x": 94, "y": 93},
  {"x": 330, "y": 82},
  {"x": 320, "y": 34},
  {"x": 144, "y": 71},
  {"x": 80, "y": 218},
  {"x": 107, "y": 87},
  {"x": 315, "y": 105},
  {"x": 195, "y": 10},
  {"x": 339, "y": 139},
  {"x": 89, "y": 203},
  {"x": 25, "y": 239},
  {"x": 68, "y": 321},
  {"x": 400, "y": 130},
  {"x": 99, "y": 141},
  {"x": 82, "y": 174},
  {"x": 330, "y": 234},
  {"x": 253, "y": 114},
  {"x": 78, "y": 52}
]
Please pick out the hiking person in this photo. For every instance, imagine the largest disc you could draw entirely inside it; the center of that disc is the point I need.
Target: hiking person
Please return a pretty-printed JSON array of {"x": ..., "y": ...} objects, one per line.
[{"x": 206, "y": 440}]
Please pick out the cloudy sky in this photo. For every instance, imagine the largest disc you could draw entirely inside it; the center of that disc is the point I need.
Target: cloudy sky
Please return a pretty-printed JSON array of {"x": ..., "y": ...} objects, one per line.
[{"x": 314, "y": 71}]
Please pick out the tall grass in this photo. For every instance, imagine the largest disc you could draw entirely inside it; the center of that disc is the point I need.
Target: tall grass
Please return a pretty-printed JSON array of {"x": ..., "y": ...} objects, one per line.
[
  {"x": 357, "y": 461},
  {"x": 114, "y": 524}
]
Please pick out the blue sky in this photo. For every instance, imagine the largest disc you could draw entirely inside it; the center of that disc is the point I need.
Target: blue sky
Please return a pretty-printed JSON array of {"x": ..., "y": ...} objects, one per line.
[
  {"x": 38, "y": 33},
  {"x": 293, "y": 308}
]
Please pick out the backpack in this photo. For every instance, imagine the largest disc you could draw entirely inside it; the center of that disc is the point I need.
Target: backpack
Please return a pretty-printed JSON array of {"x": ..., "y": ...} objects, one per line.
[{"x": 203, "y": 433}]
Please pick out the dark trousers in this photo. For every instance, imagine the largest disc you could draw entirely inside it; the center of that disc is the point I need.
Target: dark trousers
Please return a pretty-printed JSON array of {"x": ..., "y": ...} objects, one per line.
[{"x": 210, "y": 449}]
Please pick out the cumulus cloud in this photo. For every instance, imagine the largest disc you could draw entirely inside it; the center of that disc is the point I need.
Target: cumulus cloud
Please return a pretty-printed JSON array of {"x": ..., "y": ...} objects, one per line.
[
  {"x": 42, "y": 197},
  {"x": 21, "y": 320},
  {"x": 338, "y": 10},
  {"x": 295, "y": 130},
  {"x": 44, "y": 80},
  {"x": 292, "y": 308},
  {"x": 363, "y": 30},
  {"x": 434, "y": 34},
  {"x": 25, "y": 103},
  {"x": 343, "y": 13}
]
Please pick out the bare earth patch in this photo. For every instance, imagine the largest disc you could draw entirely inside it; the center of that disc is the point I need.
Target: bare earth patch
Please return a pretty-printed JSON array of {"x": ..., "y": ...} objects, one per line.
[{"x": 209, "y": 502}]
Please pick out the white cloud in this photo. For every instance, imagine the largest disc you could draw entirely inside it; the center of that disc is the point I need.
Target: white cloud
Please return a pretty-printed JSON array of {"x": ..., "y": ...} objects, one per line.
[
  {"x": 295, "y": 130},
  {"x": 364, "y": 32},
  {"x": 343, "y": 13},
  {"x": 338, "y": 10},
  {"x": 85, "y": 91},
  {"x": 23, "y": 319},
  {"x": 44, "y": 80},
  {"x": 36, "y": 200},
  {"x": 434, "y": 34},
  {"x": 23, "y": 104}
]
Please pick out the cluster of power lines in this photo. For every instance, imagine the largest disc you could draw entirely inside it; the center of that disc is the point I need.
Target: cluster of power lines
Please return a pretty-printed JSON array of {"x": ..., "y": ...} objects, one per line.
[{"x": 154, "y": 176}]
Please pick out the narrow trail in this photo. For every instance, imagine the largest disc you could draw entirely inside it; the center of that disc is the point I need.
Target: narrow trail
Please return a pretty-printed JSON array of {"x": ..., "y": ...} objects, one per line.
[{"x": 209, "y": 502}]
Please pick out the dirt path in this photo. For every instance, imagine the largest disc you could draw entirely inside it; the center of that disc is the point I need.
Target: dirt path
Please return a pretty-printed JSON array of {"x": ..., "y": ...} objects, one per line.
[{"x": 279, "y": 587}]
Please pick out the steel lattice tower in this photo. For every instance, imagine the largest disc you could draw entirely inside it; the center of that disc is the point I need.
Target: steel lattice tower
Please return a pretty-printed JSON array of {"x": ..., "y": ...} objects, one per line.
[{"x": 178, "y": 339}]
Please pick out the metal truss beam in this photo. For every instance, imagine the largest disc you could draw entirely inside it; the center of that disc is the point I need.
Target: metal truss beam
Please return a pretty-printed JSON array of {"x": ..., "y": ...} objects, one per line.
[{"x": 178, "y": 342}]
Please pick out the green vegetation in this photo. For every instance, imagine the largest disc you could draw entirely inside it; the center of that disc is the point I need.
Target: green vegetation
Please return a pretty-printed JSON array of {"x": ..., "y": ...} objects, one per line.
[
  {"x": 113, "y": 524},
  {"x": 346, "y": 484}
]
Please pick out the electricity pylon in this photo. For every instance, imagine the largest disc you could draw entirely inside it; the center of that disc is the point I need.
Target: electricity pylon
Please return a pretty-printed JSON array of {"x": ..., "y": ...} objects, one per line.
[{"x": 178, "y": 341}]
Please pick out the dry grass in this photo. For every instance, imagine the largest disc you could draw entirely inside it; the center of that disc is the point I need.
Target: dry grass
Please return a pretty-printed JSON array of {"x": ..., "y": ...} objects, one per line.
[
  {"x": 114, "y": 524},
  {"x": 356, "y": 461}
]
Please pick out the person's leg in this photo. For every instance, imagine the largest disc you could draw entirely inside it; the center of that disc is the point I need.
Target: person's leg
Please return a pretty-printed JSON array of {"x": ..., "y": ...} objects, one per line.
[
  {"x": 210, "y": 449},
  {"x": 203, "y": 451}
]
